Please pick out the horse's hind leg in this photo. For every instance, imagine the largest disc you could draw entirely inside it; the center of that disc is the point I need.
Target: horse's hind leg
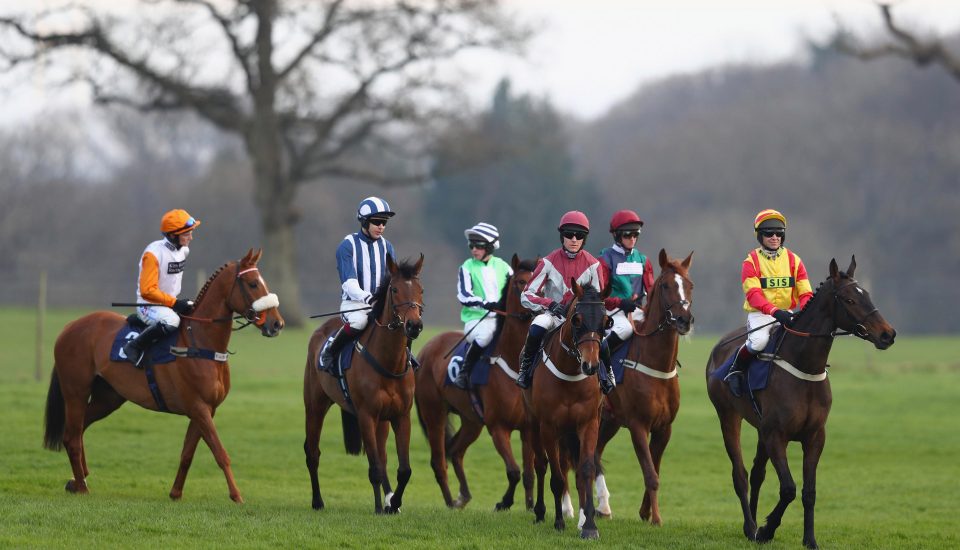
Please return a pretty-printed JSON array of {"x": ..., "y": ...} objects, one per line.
[
  {"x": 501, "y": 441},
  {"x": 401, "y": 430},
  {"x": 103, "y": 401},
  {"x": 526, "y": 449},
  {"x": 812, "y": 448},
  {"x": 434, "y": 419},
  {"x": 203, "y": 417},
  {"x": 468, "y": 433},
  {"x": 757, "y": 474},
  {"x": 75, "y": 409},
  {"x": 316, "y": 410},
  {"x": 730, "y": 427},
  {"x": 776, "y": 445}
]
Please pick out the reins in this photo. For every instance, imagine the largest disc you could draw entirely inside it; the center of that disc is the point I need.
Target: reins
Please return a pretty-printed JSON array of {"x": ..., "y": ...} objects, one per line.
[
  {"x": 669, "y": 320},
  {"x": 251, "y": 316},
  {"x": 395, "y": 323}
]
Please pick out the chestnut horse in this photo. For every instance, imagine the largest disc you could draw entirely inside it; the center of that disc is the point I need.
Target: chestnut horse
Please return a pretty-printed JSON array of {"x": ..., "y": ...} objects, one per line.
[
  {"x": 87, "y": 386},
  {"x": 797, "y": 398},
  {"x": 503, "y": 410},
  {"x": 380, "y": 385},
  {"x": 647, "y": 400},
  {"x": 564, "y": 404}
]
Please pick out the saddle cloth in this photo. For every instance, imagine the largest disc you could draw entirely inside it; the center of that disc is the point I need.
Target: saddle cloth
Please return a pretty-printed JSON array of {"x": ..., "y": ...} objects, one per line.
[
  {"x": 157, "y": 353},
  {"x": 480, "y": 375},
  {"x": 758, "y": 371}
]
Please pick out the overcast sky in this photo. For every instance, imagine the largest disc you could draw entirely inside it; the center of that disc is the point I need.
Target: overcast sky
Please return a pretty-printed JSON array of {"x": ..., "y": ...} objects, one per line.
[{"x": 590, "y": 54}]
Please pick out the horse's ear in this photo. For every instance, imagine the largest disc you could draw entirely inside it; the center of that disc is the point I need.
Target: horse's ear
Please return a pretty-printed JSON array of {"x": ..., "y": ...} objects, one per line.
[
  {"x": 515, "y": 261},
  {"x": 256, "y": 256},
  {"x": 391, "y": 266},
  {"x": 246, "y": 259},
  {"x": 853, "y": 266},
  {"x": 833, "y": 268},
  {"x": 663, "y": 258},
  {"x": 419, "y": 265},
  {"x": 577, "y": 289},
  {"x": 686, "y": 261}
]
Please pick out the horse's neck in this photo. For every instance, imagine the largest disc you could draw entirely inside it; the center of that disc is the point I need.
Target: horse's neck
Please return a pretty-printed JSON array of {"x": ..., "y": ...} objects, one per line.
[
  {"x": 557, "y": 347},
  {"x": 657, "y": 351},
  {"x": 809, "y": 353},
  {"x": 388, "y": 346},
  {"x": 212, "y": 335}
]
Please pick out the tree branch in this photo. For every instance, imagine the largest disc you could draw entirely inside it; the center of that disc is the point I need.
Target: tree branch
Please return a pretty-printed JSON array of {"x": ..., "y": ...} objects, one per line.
[{"x": 240, "y": 52}]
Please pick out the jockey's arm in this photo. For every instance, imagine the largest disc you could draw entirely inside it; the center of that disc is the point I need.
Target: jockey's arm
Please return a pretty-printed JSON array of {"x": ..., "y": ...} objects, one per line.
[{"x": 150, "y": 281}]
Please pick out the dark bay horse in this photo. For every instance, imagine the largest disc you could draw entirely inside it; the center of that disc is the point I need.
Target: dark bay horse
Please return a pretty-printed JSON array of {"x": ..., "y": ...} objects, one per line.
[
  {"x": 86, "y": 386},
  {"x": 647, "y": 400},
  {"x": 564, "y": 404},
  {"x": 797, "y": 399},
  {"x": 380, "y": 383},
  {"x": 503, "y": 409}
]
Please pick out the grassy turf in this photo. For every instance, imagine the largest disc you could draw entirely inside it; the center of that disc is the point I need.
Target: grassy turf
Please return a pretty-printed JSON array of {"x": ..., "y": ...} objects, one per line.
[{"x": 887, "y": 479}]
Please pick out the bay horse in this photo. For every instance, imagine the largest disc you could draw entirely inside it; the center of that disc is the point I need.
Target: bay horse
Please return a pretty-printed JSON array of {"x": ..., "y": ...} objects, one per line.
[
  {"x": 87, "y": 386},
  {"x": 380, "y": 385},
  {"x": 796, "y": 401},
  {"x": 647, "y": 400},
  {"x": 564, "y": 404},
  {"x": 503, "y": 409}
]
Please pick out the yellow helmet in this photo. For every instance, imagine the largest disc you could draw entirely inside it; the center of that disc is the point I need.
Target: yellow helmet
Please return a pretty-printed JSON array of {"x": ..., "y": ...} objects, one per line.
[
  {"x": 176, "y": 222},
  {"x": 769, "y": 219}
]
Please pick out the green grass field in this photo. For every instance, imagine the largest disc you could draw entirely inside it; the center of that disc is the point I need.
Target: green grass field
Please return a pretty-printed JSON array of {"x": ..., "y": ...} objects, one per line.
[{"x": 889, "y": 477}]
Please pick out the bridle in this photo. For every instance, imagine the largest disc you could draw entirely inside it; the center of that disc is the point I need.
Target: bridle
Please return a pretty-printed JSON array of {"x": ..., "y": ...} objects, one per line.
[
  {"x": 669, "y": 319},
  {"x": 590, "y": 336},
  {"x": 859, "y": 329},
  {"x": 398, "y": 321},
  {"x": 252, "y": 313}
]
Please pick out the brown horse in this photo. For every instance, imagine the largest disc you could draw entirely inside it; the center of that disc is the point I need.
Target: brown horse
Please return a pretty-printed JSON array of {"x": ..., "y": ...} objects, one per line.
[
  {"x": 647, "y": 400},
  {"x": 797, "y": 399},
  {"x": 503, "y": 410},
  {"x": 379, "y": 382},
  {"x": 87, "y": 386},
  {"x": 564, "y": 403}
]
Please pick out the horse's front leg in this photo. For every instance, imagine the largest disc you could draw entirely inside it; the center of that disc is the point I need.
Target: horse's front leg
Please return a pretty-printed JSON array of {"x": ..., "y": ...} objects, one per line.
[
  {"x": 190, "y": 441},
  {"x": 586, "y": 474},
  {"x": 757, "y": 474},
  {"x": 650, "y": 507},
  {"x": 383, "y": 431},
  {"x": 812, "y": 449},
  {"x": 376, "y": 472},
  {"x": 558, "y": 475},
  {"x": 608, "y": 428},
  {"x": 730, "y": 423},
  {"x": 401, "y": 430},
  {"x": 540, "y": 466},
  {"x": 203, "y": 417},
  {"x": 658, "y": 445},
  {"x": 526, "y": 451},
  {"x": 776, "y": 445},
  {"x": 501, "y": 441}
]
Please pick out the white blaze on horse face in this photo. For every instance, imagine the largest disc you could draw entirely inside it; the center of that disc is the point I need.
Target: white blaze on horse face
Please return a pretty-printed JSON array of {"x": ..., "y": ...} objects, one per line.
[
  {"x": 683, "y": 297},
  {"x": 860, "y": 290}
]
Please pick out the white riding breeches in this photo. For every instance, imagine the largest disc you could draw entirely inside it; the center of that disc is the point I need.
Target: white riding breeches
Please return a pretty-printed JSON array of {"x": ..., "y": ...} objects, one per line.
[
  {"x": 152, "y": 315},
  {"x": 356, "y": 319},
  {"x": 481, "y": 330},
  {"x": 757, "y": 340},
  {"x": 621, "y": 323}
]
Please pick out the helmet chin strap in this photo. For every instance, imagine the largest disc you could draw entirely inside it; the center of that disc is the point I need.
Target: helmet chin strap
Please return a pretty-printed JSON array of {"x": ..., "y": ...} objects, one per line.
[{"x": 173, "y": 239}]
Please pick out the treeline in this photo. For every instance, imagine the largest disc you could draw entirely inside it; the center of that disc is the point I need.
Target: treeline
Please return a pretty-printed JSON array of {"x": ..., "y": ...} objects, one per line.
[{"x": 862, "y": 158}]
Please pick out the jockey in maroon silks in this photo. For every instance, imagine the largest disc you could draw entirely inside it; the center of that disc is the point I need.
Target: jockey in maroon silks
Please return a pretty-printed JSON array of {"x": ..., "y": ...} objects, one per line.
[{"x": 548, "y": 293}]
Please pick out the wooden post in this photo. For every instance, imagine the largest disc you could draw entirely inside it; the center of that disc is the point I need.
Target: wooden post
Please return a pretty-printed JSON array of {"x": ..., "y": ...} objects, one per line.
[{"x": 41, "y": 321}]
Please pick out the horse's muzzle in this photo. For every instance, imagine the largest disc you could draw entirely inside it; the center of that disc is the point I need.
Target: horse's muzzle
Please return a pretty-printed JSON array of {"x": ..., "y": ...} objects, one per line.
[
  {"x": 271, "y": 327},
  {"x": 589, "y": 369},
  {"x": 684, "y": 324},
  {"x": 413, "y": 328},
  {"x": 885, "y": 340}
]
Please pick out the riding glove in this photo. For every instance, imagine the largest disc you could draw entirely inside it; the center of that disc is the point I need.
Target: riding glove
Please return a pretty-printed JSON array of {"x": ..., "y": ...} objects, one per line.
[
  {"x": 558, "y": 310},
  {"x": 784, "y": 317},
  {"x": 182, "y": 306}
]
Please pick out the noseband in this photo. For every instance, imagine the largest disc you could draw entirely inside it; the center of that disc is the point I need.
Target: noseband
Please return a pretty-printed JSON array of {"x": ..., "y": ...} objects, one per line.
[
  {"x": 255, "y": 306},
  {"x": 398, "y": 321},
  {"x": 590, "y": 336},
  {"x": 859, "y": 329},
  {"x": 669, "y": 319}
]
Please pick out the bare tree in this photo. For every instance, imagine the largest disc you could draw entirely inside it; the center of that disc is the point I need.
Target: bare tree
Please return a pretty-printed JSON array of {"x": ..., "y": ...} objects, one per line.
[
  {"x": 902, "y": 43},
  {"x": 308, "y": 85}
]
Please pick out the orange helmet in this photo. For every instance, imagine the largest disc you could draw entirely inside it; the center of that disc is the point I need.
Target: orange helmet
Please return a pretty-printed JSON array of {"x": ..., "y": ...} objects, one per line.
[
  {"x": 769, "y": 219},
  {"x": 176, "y": 222}
]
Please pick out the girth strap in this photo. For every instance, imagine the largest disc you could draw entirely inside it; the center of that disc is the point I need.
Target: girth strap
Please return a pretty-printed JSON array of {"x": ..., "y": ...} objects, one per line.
[
  {"x": 155, "y": 388},
  {"x": 376, "y": 364},
  {"x": 201, "y": 353}
]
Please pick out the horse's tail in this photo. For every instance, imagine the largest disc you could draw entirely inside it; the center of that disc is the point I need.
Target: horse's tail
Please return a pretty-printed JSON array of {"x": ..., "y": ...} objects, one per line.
[
  {"x": 351, "y": 432},
  {"x": 55, "y": 416}
]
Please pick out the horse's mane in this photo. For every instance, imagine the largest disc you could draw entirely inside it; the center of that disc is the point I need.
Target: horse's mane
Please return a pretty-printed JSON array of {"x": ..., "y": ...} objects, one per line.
[
  {"x": 523, "y": 265},
  {"x": 407, "y": 270},
  {"x": 816, "y": 294},
  {"x": 207, "y": 284}
]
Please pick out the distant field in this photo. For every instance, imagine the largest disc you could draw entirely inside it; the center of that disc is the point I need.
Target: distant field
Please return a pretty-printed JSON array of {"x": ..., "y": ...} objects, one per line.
[{"x": 888, "y": 477}]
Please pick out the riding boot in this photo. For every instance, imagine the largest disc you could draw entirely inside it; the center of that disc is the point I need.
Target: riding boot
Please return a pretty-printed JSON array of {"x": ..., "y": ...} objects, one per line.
[
  {"x": 135, "y": 350},
  {"x": 327, "y": 357},
  {"x": 735, "y": 377},
  {"x": 529, "y": 355},
  {"x": 411, "y": 359},
  {"x": 613, "y": 342},
  {"x": 607, "y": 386},
  {"x": 470, "y": 358}
]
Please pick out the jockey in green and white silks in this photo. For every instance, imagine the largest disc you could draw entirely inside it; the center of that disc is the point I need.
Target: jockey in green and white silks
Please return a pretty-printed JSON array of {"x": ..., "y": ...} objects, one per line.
[
  {"x": 480, "y": 287},
  {"x": 630, "y": 273}
]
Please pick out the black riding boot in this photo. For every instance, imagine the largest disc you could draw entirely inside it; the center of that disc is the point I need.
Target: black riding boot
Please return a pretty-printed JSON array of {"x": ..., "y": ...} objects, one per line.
[
  {"x": 529, "y": 355},
  {"x": 735, "y": 379},
  {"x": 613, "y": 342},
  {"x": 343, "y": 337},
  {"x": 607, "y": 386},
  {"x": 469, "y": 359},
  {"x": 135, "y": 350}
]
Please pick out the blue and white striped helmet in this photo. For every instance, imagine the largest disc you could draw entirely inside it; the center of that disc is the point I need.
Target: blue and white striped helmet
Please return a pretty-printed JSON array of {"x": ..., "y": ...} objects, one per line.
[
  {"x": 373, "y": 206},
  {"x": 484, "y": 232}
]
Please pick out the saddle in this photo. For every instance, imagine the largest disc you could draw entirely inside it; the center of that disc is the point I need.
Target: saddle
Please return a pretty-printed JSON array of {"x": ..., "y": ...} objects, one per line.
[{"x": 157, "y": 353}]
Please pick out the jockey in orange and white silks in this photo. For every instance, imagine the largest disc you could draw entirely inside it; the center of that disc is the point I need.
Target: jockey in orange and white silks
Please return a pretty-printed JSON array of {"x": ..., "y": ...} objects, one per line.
[
  {"x": 775, "y": 285},
  {"x": 548, "y": 293},
  {"x": 161, "y": 270}
]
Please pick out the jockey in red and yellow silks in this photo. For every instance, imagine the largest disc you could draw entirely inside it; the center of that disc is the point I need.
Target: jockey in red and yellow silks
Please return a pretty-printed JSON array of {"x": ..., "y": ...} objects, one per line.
[{"x": 774, "y": 282}]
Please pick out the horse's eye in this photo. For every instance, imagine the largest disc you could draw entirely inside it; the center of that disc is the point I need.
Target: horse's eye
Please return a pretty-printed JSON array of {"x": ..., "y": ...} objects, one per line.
[
  {"x": 393, "y": 290},
  {"x": 252, "y": 284},
  {"x": 849, "y": 301}
]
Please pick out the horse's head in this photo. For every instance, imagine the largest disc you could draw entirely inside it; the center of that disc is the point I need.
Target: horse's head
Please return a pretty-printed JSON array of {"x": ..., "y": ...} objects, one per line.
[
  {"x": 672, "y": 294},
  {"x": 251, "y": 298},
  {"x": 588, "y": 317},
  {"x": 404, "y": 296},
  {"x": 855, "y": 312},
  {"x": 522, "y": 271}
]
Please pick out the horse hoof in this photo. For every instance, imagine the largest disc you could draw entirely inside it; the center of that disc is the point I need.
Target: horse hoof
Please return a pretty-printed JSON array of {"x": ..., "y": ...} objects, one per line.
[
  {"x": 176, "y": 495},
  {"x": 602, "y": 515},
  {"x": 501, "y": 507},
  {"x": 72, "y": 487},
  {"x": 559, "y": 525},
  {"x": 764, "y": 534},
  {"x": 590, "y": 534},
  {"x": 810, "y": 543},
  {"x": 391, "y": 510},
  {"x": 237, "y": 498},
  {"x": 317, "y": 504}
]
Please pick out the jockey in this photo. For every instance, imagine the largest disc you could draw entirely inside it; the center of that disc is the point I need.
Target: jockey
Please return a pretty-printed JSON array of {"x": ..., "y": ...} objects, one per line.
[
  {"x": 161, "y": 270},
  {"x": 479, "y": 288},
  {"x": 548, "y": 295},
  {"x": 630, "y": 273},
  {"x": 361, "y": 263},
  {"x": 774, "y": 282}
]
